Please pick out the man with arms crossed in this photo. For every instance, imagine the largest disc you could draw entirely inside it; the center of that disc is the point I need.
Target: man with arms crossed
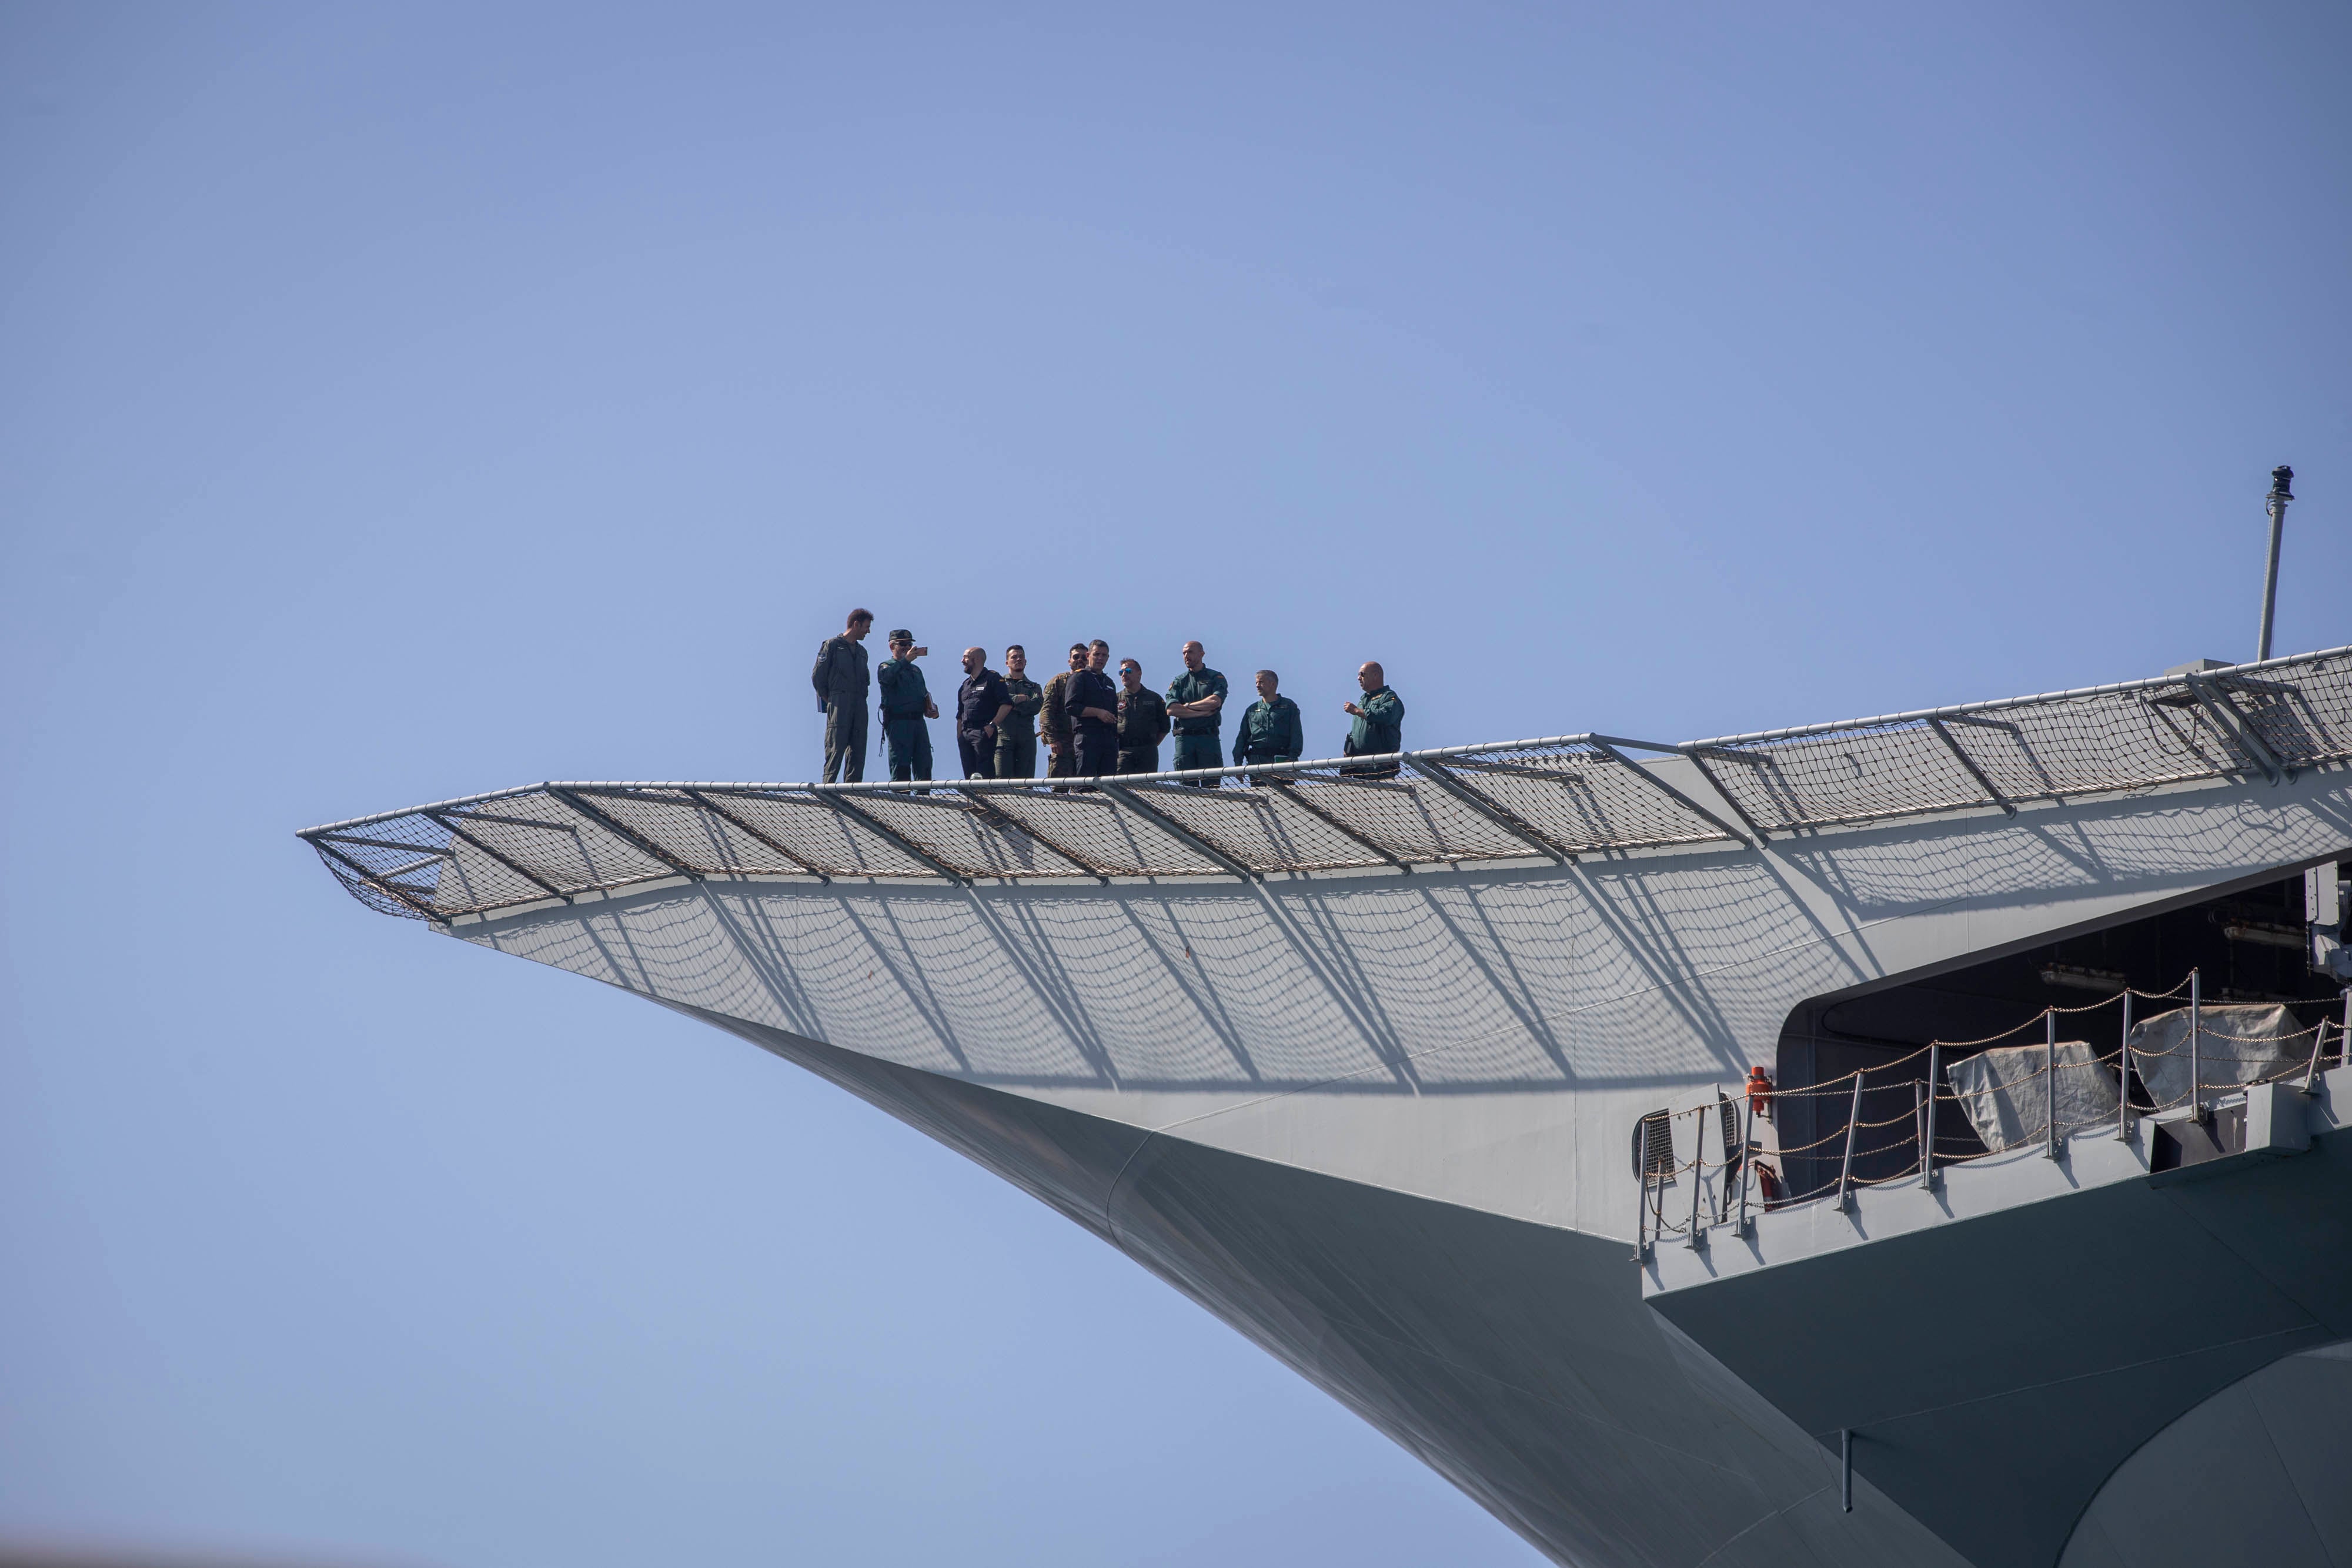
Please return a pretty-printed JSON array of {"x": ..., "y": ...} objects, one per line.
[
  {"x": 1195, "y": 700},
  {"x": 1016, "y": 737}
]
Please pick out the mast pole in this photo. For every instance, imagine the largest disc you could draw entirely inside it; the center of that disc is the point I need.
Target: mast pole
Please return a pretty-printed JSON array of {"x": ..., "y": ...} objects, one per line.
[{"x": 2282, "y": 477}]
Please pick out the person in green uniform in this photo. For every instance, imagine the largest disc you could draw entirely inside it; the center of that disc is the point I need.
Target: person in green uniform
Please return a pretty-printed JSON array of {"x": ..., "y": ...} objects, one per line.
[
  {"x": 1196, "y": 700},
  {"x": 906, "y": 704},
  {"x": 841, "y": 687},
  {"x": 1016, "y": 737},
  {"x": 1379, "y": 729},
  {"x": 1271, "y": 729},
  {"x": 1053, "y": 719}
]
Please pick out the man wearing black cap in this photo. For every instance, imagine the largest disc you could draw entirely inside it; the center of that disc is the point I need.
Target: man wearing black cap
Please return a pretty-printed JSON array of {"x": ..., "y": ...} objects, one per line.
[
  {"x": 841, "y": 686},
  {"x": 982, "y": 704},
  {"x": 1092, "y": 702},
  {"x": 906, "y": 704}
]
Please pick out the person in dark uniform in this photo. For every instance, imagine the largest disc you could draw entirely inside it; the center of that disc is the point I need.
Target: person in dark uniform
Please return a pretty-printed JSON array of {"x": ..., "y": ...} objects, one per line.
[
  {"x": 1092, "y": 702},
  {"x": 1379, "y": 728},
  {"x": 841, "y": 684},
  {"x": 1271, "y": 729},
  {"x": 1196, "y": 702},
  {"x": 906, "y": 704},
  {"x": 982, "y": 704},
  {"x": 1016, "y": 737},
  {"x": 1142, "y": 721},
  {"x": 1054, "y": 718}
]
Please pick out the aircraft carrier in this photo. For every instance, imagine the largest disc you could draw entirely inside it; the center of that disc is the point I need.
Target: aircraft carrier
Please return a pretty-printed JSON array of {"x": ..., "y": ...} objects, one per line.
[{"x": 1914, "y": 1140}]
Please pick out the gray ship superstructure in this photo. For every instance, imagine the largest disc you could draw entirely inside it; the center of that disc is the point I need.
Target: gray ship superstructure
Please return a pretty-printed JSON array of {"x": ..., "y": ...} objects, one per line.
[{"x": 1429, "y": 1075}]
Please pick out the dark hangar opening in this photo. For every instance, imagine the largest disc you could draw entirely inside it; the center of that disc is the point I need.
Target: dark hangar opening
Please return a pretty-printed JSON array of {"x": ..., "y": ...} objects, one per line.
[{"x": 2251, "y": 944}]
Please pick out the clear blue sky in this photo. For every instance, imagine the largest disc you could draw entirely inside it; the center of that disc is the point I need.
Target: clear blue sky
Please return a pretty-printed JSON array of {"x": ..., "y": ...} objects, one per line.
[{"x": 404, "y": 403}]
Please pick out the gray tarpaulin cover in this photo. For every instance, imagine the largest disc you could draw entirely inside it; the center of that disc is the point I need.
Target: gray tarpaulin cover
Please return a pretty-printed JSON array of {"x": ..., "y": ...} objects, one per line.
[
  {"x": 2006, "y": 1101},
  {"x": 2237, "y": 1045}
]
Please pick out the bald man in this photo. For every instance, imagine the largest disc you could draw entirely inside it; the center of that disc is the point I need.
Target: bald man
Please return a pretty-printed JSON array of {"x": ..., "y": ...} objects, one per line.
[
  {"x": 1379, "y": 729},
  {"x": 982, "y": 704},
  {"x": 1196, "y": 704}
]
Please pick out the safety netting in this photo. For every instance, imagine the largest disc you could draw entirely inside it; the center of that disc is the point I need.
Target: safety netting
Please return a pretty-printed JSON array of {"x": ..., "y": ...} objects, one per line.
[
  {"x": 2252, "y": 719},
  {"x": 1555, "y": 798}
]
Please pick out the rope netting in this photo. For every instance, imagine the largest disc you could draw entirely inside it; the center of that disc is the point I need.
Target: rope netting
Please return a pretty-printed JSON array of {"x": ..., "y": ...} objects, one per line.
[
  {"x": 2245, "y": 720},
  {"x": 2217, "y": 1058},
  {"x": 1555, "y": 798},
  {"x": 1548, "y": 798}
]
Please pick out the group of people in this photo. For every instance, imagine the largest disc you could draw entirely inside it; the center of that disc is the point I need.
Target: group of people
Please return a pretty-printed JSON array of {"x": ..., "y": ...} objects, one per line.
[{"x": 1089, "y": 725}]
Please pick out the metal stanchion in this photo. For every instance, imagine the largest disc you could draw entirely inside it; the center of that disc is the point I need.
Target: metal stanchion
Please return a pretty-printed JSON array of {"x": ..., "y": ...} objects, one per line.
[
  {"x": 1699, "y": 1176},
  {"x": 1919, "y": 1124},
  {"x": 2049, "y": 1075},
  {"x": 2123, "y": 1074},
  {"x": 1747, "y": 1161},
  {"x": 1927, "y": 1120},
  {"x": 2196, "y": 1046},
  {"x": 1852, "y": 1126}
]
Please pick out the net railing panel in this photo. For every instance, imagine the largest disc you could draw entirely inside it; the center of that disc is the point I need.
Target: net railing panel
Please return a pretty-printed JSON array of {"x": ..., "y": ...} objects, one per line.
[
  {"x": 959, "y": 833},
  {"x": 1579, "y": 797},
  {"x": 1414, "y": 824},
  {"x": 1260, "y": 828},
  {"x": 2138, "y": 734},
  {"x": 800, "y": 826},
  {"x": 2304, "y": 719},
  {"x": 1561, "y": 797},
  {"x": 1097, "y": 828}
]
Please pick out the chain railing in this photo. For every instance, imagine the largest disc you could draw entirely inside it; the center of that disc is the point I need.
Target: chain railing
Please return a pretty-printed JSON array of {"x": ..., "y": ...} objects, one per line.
[
  {"x": 1555, "y": 798},
  {"x": 2074, "y": 1087}
]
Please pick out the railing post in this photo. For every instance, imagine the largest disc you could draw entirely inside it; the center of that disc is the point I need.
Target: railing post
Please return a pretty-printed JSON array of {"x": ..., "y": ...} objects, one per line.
[
  {"x": 2122, "y": 1075},
  {"x": 1927, "y": 1119},
  {"x": 1845, "y": 1468},
  {"x": 1642, "y": 1204},
  {"x": 1919, "y": 1124},
  {"x": 2050, "y": 1075},
  {"x": 1747, "y": 1161},
  {"x": 1852, "y": 1126},
  {"x": 1699, "y": 1176},
  {"x": 2196, "y": 1046}
]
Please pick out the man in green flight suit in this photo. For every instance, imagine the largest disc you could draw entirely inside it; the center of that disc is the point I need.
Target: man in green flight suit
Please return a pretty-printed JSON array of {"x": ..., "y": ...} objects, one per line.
[
  {"x": 906, "y": 704},
  {"x": 840, "y": 688},
  {"x": 1016, "y": 737},
  {"x": 1053, "y": 719},
  {"x": 1379, "y": 728},
  {"x": 1195, "y": 700},
  {"x": 1271, "y": 729},
  {"x": 1142, "y": 721}
]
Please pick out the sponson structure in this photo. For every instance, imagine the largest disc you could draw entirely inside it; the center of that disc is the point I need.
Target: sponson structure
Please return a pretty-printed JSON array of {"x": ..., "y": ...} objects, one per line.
[{"x": 1428, "y": 1079}]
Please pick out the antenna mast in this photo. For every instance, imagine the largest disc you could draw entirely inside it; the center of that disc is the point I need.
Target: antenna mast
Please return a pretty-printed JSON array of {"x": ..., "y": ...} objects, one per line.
[{"x": 2281, "y": 477}]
